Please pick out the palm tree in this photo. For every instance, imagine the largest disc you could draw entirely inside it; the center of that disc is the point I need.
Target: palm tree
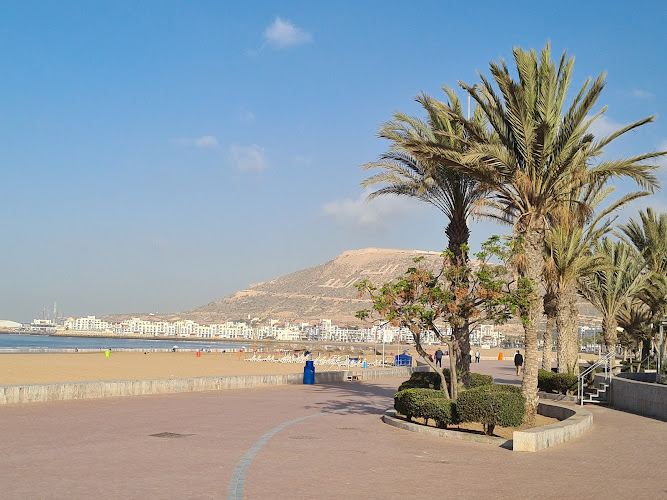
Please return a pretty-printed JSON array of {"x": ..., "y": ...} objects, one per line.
[
  {"x": 650, "y": 240},
  {"x": 407, "y": 173},
  {"x": 611, "y": 287},
  {"x": 534, "y": 156},
  {"x": 569, "y": 248},
  {"x": 634, "y": 318}
]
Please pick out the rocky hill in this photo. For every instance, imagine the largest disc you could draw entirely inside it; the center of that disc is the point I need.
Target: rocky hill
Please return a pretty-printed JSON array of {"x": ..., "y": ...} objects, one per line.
[{"x": 323, "y": 291}]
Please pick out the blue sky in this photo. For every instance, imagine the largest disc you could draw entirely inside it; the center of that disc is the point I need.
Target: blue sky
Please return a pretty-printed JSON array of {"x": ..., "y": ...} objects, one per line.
[{"x": 159, "y": 155}]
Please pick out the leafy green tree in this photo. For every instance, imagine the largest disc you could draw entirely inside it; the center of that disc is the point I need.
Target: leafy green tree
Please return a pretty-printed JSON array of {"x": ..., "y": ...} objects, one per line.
[{"x": 422, "y": 300}]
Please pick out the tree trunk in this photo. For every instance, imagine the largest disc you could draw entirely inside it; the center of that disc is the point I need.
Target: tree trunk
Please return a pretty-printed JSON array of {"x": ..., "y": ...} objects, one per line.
[
  {"x": 533, "y": 272},
  {"x": 453, "y": 376},
  {"x": 416, "y": 335},
  {"x": 548, "y": 353},
  {"x": 462, "y": 336},
  {"x": 458, "y": 234},
  {"x": 566, "y": 322},
  {"x": 609, "y": 332}
]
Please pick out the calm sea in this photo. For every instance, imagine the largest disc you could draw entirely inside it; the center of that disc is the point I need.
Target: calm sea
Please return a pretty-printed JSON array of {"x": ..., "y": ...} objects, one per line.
[{"x": 36, "y": 343}]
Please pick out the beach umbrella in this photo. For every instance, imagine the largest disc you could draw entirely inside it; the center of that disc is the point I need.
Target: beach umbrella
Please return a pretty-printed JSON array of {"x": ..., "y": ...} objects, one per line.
[{"x": 175, "y": 347}]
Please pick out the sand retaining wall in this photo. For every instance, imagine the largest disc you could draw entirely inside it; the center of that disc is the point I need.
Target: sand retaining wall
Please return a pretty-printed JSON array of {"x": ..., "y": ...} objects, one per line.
[{"x": 33, "y": 393}]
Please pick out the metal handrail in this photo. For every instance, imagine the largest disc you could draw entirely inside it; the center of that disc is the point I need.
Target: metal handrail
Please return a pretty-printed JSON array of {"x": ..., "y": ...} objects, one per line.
[{"x": 606, "y": 361}]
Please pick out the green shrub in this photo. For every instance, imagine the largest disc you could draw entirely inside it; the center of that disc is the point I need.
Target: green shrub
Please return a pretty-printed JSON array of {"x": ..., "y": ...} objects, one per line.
[
  {"x": 422, "y": 380},
  {"x": 545, "y": 380},
  {"x": 408, "y": 402},
  {"x": 501, "y": 388},
  {"x": 491, "y": 406},
  {"x": 478, "y": 380},
  {"x": 441, "y": 410},
  {"x": 562, "y": 383}
]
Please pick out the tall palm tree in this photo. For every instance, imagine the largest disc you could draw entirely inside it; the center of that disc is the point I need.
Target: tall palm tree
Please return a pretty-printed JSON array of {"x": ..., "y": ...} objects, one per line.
[
  {"x": 535, "y": 154},
  {"x": 404, "y": 172},
  {"x": 650, "y": 240},
  {"x": 634, "y": 317},
  {"x": 611, "y": 287},
  {"x": 569, "y": 248}
]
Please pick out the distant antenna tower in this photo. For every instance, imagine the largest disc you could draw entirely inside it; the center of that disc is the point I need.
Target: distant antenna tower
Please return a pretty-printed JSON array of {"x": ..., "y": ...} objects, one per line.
[{"x": 55, "y": 310}]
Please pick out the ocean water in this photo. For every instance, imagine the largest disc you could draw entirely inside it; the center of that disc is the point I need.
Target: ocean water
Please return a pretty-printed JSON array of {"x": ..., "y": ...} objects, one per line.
[{"x": 37, "y": 343}]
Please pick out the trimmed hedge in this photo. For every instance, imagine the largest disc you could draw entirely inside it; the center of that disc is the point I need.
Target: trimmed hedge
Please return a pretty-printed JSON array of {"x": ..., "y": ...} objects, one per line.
[
  {"x": 426, "y": 404},
  {"x": 478, "y": 380},
  {"x": 409, "y": 402},
  {"x": 442, "y": 410},
  {"x": 501, "y": 388},
  {"x": 491, "y": 405},
  {"x": 562, "y": 383},
  {"x": 431, "y": 380}
]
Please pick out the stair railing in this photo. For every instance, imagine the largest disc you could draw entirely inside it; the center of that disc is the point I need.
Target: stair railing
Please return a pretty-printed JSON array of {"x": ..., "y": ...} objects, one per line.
[{"x": 605, "y": 361}]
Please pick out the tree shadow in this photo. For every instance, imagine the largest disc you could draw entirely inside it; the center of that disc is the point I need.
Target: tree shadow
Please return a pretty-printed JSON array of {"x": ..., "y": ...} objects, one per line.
[{"x": 358, "y": 397}]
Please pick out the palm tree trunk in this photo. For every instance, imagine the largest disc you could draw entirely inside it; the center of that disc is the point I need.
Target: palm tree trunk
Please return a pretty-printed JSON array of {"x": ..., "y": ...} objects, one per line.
[
  {"x": 609, "y": 334},
  {"x": 566, "y": 322},
  {"x": 458, "y": 234},
  {"x": 534, "y": 267},
  {"x": 550, "y": 308},
  {"x": 548, "y": 353}
]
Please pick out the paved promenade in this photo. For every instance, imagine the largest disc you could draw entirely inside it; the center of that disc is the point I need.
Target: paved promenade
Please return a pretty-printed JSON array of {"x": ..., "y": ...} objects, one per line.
[{"x": 324, "y": 441}]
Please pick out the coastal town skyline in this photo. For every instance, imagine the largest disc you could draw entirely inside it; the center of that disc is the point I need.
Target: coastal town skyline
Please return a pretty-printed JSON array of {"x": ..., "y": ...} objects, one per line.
[{"x": 159, "y": 157}]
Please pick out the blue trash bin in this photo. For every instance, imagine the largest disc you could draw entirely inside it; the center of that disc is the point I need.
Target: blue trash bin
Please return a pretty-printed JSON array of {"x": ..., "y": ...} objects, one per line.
[{"x": 309, "y": 373}]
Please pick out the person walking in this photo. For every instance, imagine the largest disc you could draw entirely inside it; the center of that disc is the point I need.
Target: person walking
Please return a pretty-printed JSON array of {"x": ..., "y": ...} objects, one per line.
[
  {"x": 518, "y": 362},
  {"x": 438, "y": 358},
  {"x": 477, "y": 356}
]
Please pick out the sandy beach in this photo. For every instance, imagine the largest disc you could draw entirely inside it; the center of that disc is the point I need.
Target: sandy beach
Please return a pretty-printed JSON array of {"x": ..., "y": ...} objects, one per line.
[{"x": 123, "y": 365}]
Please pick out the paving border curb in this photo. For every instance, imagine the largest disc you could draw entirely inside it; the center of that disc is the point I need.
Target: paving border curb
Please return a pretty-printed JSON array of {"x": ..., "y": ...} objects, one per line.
[
  {"x": 34, "y": 393},
  {"x": 574, "y": 421}
]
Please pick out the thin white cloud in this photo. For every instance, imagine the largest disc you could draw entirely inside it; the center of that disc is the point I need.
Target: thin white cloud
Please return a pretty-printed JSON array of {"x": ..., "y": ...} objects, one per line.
[
  {"x": 374, "y": 216},
  {"x": 246, "y": 116},
  {"x": 642, "y": 94},
  {"x": 303, "y": 160},
  {"x": 247, "y": 158},
  {"x": 207, "y": 141},
  {"x": 282, "y": 34}
]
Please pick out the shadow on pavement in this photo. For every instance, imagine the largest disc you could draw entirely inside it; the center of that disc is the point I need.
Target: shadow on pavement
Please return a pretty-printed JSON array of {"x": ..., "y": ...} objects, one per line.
[{"x": 356, "y": 397}]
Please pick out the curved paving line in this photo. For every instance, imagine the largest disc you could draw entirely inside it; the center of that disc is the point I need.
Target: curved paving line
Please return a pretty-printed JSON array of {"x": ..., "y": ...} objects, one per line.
[{"x": 237, "y": 483}]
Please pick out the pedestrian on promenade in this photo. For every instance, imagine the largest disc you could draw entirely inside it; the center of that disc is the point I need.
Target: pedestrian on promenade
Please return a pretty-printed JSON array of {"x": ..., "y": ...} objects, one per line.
[
  {"x": 518, "y": 362},
  {"x": 438, "y": 358},
  {"x": 477, "y": 356}
]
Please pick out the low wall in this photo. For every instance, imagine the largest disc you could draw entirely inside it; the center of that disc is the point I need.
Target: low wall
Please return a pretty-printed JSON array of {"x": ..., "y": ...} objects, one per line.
[
  {"x": 638, "y": 377},
  {"x": 636, "y": 396},
  {"x": 574, "y": 421},
  {"x": 33, "y": 393}
]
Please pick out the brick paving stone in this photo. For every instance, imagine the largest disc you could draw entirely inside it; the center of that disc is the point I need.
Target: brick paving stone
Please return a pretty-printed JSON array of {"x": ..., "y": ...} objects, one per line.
[{"x": 103, "y": 449}]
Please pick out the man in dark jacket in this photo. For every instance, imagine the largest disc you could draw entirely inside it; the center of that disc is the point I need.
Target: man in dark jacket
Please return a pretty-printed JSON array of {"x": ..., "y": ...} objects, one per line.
[
  {"x": 518, "y": 362},
  {"x": 438, "y": 358}
]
